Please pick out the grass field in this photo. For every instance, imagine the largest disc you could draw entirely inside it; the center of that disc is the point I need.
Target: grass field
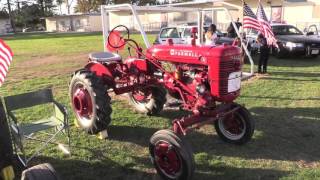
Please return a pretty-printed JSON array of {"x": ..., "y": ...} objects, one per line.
[{"x": 285, "y": 106}]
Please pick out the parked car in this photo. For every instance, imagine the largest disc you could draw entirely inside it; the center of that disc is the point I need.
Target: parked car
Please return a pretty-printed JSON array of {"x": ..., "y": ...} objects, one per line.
[
  {"x": 291, "y": 41},
  {"x": 182, "y": 35}
]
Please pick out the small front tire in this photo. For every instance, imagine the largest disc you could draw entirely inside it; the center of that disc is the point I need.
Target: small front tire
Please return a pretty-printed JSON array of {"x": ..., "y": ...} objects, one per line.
[
  {"x": 171, "y": 156},
  {"x": 237, "y": 127}
]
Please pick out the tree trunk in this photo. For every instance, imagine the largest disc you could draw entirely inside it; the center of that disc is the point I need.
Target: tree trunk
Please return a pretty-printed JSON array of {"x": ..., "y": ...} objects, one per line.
[
  {"x": 71, "y": 18},
  {"x": 11, "y": 18}
]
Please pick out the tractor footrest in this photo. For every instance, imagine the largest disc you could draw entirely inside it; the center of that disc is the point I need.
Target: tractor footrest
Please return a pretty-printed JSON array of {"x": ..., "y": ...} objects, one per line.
[{"x": 105, "y": 57}]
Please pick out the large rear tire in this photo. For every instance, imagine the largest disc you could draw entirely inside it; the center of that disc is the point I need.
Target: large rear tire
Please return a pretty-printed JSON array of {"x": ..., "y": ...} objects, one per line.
[
  {"x": 149, "y": 100},
  {"x": 90, "y": 101},
  {"x": 40, "y": 172},
  {"x": 171, "y": 156},
  {"x": 236, "y": 128}
]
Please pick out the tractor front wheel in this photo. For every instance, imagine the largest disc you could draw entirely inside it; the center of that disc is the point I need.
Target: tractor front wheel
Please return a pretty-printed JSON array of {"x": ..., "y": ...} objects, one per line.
[
  {"x": 90, "y": 101},
  {"x": 171, "y": 156},
  {"x": 237, "y": 127},
  {"x": 149, "y": 100}
]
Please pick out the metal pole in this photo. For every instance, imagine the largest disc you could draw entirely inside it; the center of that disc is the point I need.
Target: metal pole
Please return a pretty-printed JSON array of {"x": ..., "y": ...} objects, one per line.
[
  {"x": 200, "y": 24},
  {"x": 143, "y": 33},
  {"x": 242, "y": 43},
  {"x": 105, "y": 26}
]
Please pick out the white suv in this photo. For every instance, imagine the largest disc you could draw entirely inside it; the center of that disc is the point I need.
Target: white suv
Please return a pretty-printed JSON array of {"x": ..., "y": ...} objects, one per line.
[{"x": 182, "y": 35}]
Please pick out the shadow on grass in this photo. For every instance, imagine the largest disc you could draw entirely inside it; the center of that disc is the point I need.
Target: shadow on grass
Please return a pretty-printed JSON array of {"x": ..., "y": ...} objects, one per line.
[
  {"x": 293, "y": 62},
  {"x": 289, "y": 134},
  {"x": 73, "y": 169},
  {"x": 289, "y": 79},
  {"x": 281, "y": 98},
  {"x": 205, "y": 171},
  {"x": 296, "y": 74}
]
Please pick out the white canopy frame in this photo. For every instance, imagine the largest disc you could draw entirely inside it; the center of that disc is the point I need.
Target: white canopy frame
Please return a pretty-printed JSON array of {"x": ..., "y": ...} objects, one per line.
[{"x": 133, "y": 9}]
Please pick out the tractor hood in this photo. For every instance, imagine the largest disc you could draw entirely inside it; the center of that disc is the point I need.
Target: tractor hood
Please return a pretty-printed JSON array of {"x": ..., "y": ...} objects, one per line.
[{"x": 191, "y": 54}]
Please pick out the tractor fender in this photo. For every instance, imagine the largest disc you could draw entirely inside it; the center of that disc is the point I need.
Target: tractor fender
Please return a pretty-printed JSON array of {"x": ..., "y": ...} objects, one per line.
[
  {"x": 101, "y": 71},
  {"x": 135, "y": 64}
]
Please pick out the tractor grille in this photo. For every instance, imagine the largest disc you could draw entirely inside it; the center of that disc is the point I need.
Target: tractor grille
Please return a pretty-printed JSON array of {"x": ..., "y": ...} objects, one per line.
[{"x": 226, "y": 67}]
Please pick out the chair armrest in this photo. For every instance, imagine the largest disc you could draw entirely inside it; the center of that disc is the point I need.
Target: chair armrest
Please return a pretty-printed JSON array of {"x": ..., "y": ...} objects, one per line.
[
  {"x": 62, "y": 111},
  {"x": 12, "y": 117}
]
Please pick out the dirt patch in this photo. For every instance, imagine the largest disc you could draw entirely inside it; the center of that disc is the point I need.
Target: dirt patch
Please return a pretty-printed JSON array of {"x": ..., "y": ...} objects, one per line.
[{"x": 47, "y": 66}]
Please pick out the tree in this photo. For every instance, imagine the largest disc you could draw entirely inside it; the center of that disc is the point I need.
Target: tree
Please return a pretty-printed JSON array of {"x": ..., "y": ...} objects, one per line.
[
  {"x": 4, "y": 14},
  {"x": 28, "y": 16},
  {"x": 46, "y": 7},
  {"x": 59, "y": 3},
  {"x": 11, "y": 16},
  {"x": 88, "y": 6}
]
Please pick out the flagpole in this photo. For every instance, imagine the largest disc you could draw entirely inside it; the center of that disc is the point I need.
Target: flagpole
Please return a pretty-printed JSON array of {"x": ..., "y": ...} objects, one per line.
[{"x": 245, "y": 46}]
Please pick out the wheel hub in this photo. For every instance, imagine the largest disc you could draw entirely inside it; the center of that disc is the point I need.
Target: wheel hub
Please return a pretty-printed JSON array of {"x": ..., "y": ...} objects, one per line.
[
  {"x": 82, "y": 102},
  {"x": 167, "y": 159},
  {"x": 142, "y": 96},
  {"x": 233, "y": 125}
]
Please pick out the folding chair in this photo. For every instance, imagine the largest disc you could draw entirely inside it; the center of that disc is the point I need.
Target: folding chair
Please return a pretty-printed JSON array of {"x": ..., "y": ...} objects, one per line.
[{"x": 56, "y": 124}]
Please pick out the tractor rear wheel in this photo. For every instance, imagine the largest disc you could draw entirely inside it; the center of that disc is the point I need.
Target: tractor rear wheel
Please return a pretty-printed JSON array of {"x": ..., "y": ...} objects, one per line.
[
  {"x": 171, "y": 156},
  {"x": 149, "y": 100},
  {"x": 236, "y": 128},
  {"x": 90, "y": 101}
]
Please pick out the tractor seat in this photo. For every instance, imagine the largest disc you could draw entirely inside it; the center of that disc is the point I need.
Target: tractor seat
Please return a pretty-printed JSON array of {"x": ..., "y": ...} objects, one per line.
[{"x": 106, "y": 57}]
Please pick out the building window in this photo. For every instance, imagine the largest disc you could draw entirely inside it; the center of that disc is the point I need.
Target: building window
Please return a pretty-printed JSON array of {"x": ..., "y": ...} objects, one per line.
[
  {"x": 63, "y": 23},
  {"x": 77, "y": 23}
]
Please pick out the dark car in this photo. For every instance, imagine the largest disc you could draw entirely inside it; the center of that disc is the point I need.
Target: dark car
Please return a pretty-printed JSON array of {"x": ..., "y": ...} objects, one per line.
[{"x": 292, "y": 41}]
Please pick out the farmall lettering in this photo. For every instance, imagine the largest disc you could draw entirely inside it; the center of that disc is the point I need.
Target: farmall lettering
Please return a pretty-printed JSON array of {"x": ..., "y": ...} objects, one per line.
[{"x": 187, "y": 53}]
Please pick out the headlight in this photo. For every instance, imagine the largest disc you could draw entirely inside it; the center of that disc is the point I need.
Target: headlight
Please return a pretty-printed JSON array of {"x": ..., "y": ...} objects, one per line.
[{"x": 293, "y": 45}]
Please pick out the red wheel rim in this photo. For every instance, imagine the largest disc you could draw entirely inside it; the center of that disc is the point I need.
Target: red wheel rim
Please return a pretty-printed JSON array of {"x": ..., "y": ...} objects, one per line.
[
  {"x": 82, "y": 102},
  {"x": 233, "y": 126},
  {"x": 141, "y": 96},
  {"x": 167, "y": 159}
]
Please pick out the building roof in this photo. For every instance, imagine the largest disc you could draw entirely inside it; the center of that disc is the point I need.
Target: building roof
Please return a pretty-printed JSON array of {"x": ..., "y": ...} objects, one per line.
[{"x": 73, "y": 15}]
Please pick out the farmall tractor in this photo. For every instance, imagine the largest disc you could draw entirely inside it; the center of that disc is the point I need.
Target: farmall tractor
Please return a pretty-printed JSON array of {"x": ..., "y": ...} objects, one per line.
[{"x": 204, "y": 79}]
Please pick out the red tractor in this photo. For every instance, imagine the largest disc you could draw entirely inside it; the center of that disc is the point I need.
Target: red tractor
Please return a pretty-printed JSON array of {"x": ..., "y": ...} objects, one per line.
[{"x": 205, "y": 80}]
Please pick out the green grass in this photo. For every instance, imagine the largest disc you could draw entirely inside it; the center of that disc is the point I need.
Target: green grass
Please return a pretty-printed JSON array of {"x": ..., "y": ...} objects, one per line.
[{"x": 285, "y": 106}]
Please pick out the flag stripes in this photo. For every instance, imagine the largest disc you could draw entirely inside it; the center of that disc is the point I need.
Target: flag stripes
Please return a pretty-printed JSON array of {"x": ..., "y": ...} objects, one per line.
[
  {"x": 265, "y": 26},
  {"x": 5, "y": 60},
  {"x": 258, "y": 22},
  {"x": 249, "y": 18}
]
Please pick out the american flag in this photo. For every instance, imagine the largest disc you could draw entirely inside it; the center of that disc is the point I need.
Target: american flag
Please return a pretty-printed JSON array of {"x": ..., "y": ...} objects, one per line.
[
  {"x": 5, "y": 60},
  {"x": 266, "y": 29},
  {"x": 250, "y": 20}
]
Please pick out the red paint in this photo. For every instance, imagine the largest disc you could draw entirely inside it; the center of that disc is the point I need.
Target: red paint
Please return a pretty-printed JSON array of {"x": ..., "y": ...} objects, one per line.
[
  {"x": 82, "y": 102},
  {"x": 167, "y": 158},
  {"x": 116, "y": 40}
]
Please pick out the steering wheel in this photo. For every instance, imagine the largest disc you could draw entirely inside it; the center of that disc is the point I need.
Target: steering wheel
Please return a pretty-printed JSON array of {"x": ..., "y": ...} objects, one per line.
[{"x": 118, "y": 36}]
